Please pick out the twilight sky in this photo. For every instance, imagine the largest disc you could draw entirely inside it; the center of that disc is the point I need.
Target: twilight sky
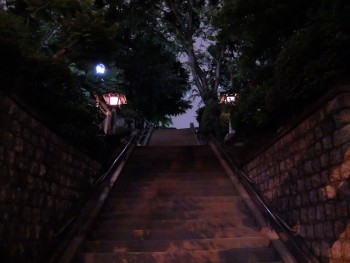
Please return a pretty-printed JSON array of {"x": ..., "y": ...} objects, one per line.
[{"x": 184, "y": 120}]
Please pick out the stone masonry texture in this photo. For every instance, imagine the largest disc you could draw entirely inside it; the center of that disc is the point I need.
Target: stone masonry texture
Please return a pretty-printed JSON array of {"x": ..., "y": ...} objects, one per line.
[
  {"x": 43, "y": 180},
  {"x": 305, "y": 176}
]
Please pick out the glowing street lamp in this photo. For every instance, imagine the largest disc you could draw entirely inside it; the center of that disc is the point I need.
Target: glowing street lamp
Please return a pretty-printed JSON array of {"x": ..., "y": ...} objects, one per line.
[
  {"x": 100, "y": 69},
  {"x": 115, "y": 99},
  {"x": 228, "y": 98},
  {"x": 108, "y": 103}
]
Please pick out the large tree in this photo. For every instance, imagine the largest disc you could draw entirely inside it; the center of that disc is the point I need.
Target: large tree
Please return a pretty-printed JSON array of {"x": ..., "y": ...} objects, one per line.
[
  {"x": 185, "y": 25},
  {"x": 286, "y": 54},
  {"x": 189, "y": 23},
  {"x": 77, "y": 34},
  {"x": 155, "y": 80}
]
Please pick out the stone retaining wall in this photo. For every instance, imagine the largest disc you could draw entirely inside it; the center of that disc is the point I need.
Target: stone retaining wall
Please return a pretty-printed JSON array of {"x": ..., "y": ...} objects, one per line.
[
  {"x": 305, "y": 176},
  {"x": 42, "y": 181}
]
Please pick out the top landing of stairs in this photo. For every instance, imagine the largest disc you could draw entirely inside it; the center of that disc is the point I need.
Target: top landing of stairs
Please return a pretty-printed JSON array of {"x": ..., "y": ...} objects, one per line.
[{"x": 173, "y": 137}]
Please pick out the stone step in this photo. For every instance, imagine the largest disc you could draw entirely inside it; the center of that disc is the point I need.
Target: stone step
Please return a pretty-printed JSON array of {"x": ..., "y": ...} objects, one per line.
[
  {"x": 140, "y": 223},
  {"x": 175, "y": 245},
  {"x": 175, "y": 180},
  {"x": 185, "y": 187},
  {"x": 153, "y": 179},
  {"x": 157, "y": 157},
  {"x": 171, "y": 206},
  {"x": 145, "y": 170},
  {"x": 251, "y": 255},
  {"x": 166, "y": 193},
  {"x": 200, "y": 200},
  {"x": 173, "y": 153},
  {"x": 150, "y": 174},
  {"x": 157, "y": 162},
  {"x": 191, "y": 187},
  {"x": 170, "y": 215},
  {"x": 175, "y": 233},
  {"x": 206, "y": 174}
]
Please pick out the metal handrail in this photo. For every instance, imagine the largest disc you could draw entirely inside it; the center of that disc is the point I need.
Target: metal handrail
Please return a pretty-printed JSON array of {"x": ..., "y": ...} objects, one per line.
[
  {"x": 100, "y": 182},
  {"x": 256, "y": 194},
  {"x": 146, "y": 133},
  {"x": 276, "y": 218},
  {"x": 122, "y": 152},
  {"x": 65, "y": 226},
  {"x": 100, "y": 179},
  {"x": 250, "y": 183}
]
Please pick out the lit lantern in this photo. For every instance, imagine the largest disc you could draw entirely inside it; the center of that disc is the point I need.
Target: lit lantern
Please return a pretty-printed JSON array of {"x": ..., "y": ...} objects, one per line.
[
  {"x": 115, "y": 99},
  {"x": 228, "y": 98}
]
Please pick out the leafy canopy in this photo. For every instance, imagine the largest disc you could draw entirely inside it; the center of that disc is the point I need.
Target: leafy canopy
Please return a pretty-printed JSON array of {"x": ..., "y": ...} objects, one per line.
[{"x": 285, "y": 55}]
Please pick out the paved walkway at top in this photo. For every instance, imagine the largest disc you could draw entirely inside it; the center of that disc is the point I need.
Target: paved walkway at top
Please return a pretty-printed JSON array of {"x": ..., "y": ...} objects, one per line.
[{"x": 173, "y": 137}]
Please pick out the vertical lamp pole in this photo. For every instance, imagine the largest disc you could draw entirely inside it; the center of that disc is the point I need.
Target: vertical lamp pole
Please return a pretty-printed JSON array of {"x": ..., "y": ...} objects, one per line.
[
  {"x": 100, "y": 70},
  {"x": 108, "y": 103},
  {"x": 114, "y": 101},
  {"x": 228, "y": 98}
]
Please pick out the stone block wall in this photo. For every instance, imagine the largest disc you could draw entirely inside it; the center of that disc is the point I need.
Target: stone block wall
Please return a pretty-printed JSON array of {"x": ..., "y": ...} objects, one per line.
[
  {"x": 305, "y": 176},
  {"x": 43, "y": 179}
]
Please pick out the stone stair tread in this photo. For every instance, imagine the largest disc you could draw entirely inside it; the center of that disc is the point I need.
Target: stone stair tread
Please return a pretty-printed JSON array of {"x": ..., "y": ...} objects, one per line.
[
  {"x": 148, "y": 174},
  {"x": 176, "y": 244},
  {"x": 169, "y": 215},
  {"x": 251, "y": 255},
  {"x": 209, "y": 200},
  {"x": 178, "y": 191},
  {"x": 236, "y": 208},
  {"x": 139, "y": 171},
  {"x": 174, "y": 176},
  {"x": 188, "y": 171},
  {"x": 174, "y": 194},
  {"x": 132, "y": 223},
  {"x": 210, "y": 186},
  {"x": 175, "y": 233},
  {"x": 148, "y": 177}
]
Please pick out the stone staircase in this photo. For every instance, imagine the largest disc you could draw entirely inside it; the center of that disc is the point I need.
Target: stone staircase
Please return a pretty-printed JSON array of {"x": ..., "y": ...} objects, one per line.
[{"x": 175, "y": 204}]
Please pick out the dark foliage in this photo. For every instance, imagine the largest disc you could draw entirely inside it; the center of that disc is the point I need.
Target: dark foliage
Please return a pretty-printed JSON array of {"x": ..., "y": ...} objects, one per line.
[
  {"x": 287, "y": 54},
  {"x": 156, "y": 81}
]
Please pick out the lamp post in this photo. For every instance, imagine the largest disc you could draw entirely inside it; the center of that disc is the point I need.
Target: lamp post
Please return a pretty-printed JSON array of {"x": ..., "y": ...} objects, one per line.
[
  {"x": 108, "y": 103},
  {"x": 115, "y": 99},
  {"x": 228, "y": 98}
]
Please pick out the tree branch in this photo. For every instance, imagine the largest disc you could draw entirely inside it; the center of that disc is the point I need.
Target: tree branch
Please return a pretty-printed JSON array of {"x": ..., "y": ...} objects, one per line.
[
  {"x": 172, "y": 6},
  {"x": 49, "y": 36},
  {"x": 218, "y": 68},
  {"x": 64, "y": 50},
  {"x": 197, "y": 72}
]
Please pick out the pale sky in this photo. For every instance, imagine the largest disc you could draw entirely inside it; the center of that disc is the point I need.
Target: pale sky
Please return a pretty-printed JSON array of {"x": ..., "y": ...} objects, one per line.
[{"x": 184, "y": 120}]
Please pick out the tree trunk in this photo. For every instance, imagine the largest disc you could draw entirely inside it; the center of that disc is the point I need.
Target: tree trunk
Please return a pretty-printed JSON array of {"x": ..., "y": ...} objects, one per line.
[
  {"x": 64, "y": 50},
  {"x": 197, "y": 73}
]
